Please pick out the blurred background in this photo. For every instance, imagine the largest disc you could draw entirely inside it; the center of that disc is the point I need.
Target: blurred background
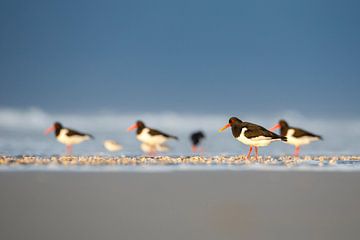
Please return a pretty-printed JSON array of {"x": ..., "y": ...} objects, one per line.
[{"x": 180, "y": 66}]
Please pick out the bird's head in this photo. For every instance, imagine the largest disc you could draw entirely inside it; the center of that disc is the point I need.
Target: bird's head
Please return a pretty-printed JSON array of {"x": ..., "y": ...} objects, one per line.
[
  {"x": 138, "y": 124},
  {"x": 54, "y": 127},
  {"x": 281, "y": 124},
  {"x": 232, "y": 121}
]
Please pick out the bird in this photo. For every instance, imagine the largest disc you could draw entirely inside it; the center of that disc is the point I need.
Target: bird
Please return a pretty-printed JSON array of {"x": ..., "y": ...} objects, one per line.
[
  {"x": 295, "y": 136},
  {"x": 154, "y": 139},
  {"x": 196, "y": 138},
  {"x": 251, "y": 134},
  {"x": 112, "y": 146},
  {"x": 68, "y": 136}
]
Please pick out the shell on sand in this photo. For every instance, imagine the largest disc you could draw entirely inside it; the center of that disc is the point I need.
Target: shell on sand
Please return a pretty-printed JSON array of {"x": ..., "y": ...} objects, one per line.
[{"x": 112, "y": 146}]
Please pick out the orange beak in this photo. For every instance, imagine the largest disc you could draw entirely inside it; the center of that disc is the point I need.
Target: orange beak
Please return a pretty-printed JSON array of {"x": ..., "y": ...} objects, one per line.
[
  {"x": 225, "y": 127},
  {"x": 132, "y": 127},
  {"x": 49, "y": 130},
  {"x": 277, "y": 126}
]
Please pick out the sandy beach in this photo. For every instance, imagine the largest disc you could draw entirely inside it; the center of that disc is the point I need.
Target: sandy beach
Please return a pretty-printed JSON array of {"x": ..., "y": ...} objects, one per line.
[
  {"x": 179, "y": 120},
  {"x": 177, "y": 202}
]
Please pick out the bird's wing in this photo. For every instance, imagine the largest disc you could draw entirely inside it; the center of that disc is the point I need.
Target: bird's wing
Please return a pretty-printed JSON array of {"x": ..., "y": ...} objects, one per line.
[
  {"x": 157, "y": 132},
  {"x": 254, "y": 130},
  {"x": 72, "y": 132},
  {"x": 301, "y": 133}
]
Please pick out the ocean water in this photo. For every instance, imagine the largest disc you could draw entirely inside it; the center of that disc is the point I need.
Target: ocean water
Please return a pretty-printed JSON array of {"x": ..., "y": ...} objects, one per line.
[{"x": 21, "y": 132}]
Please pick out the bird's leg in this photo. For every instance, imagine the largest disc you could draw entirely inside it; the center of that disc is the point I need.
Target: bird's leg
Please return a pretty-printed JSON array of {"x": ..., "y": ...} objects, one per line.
[
  {"x": 152, "y": 152},
  {"x": 256, "y": 152},
  {"x": 201, "y": 150},
  {"x": 69, "y": 149},
  {"x": 193, "y": 149},
  {"x": 297, "y": 151},
  {"x": 248, "y": 155}
]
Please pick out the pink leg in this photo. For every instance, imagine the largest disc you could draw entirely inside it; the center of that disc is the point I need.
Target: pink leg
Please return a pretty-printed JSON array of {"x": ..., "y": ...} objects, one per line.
[
  {"x": 201, "y": 150},
  {"x": 250, "y": 150},
  {"x": 297, "y": 151},
  {"x": 69, "y": 149},
  {"x": 152, "y": 153},
  {"x": 193, "y": 149},
  {"x": 256, "y": 152}
]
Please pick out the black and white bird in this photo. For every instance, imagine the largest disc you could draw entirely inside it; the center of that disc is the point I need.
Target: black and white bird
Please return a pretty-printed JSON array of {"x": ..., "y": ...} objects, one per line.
[
  {"x": 196, "y": 138},
  {"x": 295, "y": 136},
  {"x": 153, "y": 139},
  {"x": 68, "y": 136},
  {"x": 251, "y": 134}
]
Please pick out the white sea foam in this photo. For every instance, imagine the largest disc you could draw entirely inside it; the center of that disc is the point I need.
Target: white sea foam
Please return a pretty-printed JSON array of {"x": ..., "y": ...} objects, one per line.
[{"x": 21, "y": 131}]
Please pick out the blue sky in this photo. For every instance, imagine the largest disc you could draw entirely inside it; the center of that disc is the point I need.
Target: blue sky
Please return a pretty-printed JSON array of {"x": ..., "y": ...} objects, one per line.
[{"x": 184, "y": 56}]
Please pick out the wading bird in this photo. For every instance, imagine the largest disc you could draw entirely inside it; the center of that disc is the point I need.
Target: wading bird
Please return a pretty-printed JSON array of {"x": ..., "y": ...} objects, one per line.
[
  {"x": 68, "y": 136},
  {"x": 196, "y": 138},
  {"x": 251, "y": 134},
  {"x": 153, "y": 139},
  {"x": 295, "y": 136}
]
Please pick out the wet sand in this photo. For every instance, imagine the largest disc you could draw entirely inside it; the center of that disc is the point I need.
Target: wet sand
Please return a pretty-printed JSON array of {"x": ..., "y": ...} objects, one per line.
[{"x": 186, "y": 204}]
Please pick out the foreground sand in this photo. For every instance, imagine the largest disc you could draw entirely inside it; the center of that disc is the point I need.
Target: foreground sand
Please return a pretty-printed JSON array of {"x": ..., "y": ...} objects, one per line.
[
  {"x": 180, "y": 205},
  {"x": 163, "y": 198}
]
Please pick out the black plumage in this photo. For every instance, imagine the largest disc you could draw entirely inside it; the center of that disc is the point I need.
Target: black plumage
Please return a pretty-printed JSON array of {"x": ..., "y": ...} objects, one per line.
[
  {"x": 296, "y": 136},
  {"x": 67, "y": 136},
  {"x": 298, "y": 132},
  {"x": 252, "y": 131},
  {"x": 153, "y": 132},
  {"x": 197, "y": 137},
  {"x": 70, "y": 132},
  {"x": 251, "y": 134}
]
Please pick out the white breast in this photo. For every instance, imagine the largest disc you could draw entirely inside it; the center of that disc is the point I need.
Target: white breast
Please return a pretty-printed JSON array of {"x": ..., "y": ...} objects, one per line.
[
  {"x": 299, "y": 141},
  {"x": 260, "y": 141},
  {"x": 70, "y": 140},
  {"x": 145, "y": 137}
]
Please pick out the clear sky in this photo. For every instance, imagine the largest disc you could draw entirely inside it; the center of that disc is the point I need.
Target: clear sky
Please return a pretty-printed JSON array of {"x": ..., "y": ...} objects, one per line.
[{"x": 185, "y": 56}]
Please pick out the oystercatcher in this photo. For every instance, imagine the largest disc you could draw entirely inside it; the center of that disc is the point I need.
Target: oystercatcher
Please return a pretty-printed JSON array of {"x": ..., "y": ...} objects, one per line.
[
  {"x": 153, "y": 138},
  {"x": 68, "y": 136},
  {"x": 251, "y": 134},
  {"x": 196, "y": 138},
  {"x": 295, "y": 136}
]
